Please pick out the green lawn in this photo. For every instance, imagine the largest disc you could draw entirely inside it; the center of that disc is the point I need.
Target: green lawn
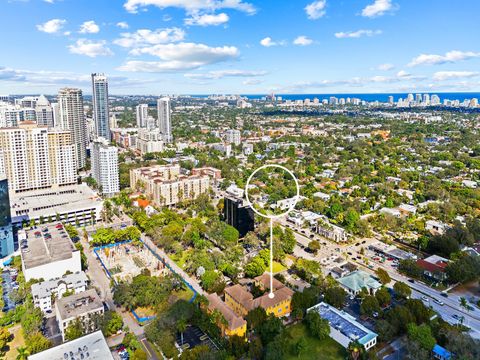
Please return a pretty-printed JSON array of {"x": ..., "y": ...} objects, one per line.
[
  {"x": 18, "y": 341},
  {"x": 180, "y": 258},
  {"x": 325, "y": 349},
  {"x": 185, "y": 294},
  {"x": 277, "y": 267}
]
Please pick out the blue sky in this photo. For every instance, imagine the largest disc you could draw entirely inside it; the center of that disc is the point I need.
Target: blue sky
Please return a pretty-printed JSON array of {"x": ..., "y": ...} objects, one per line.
[{"x": 235, "y": 46}]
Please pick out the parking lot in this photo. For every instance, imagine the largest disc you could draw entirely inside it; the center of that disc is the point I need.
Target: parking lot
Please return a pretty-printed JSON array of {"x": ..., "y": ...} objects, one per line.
[{"x": 192, "y": 337}]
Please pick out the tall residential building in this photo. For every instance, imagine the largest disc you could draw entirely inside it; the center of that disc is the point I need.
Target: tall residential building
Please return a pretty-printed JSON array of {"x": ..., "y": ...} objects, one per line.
[
  {"x": 232, "y": 136},
  {"x": 142, "y": 115},
  {"x": 164, "y": 112},
  {"x": 70, "y": 102},
  {"x": 426, "y": 99},
  {"x": 166, "y": 186},
  {"x": 6, "y": 232},
  {"x": 56, "y": 114},
  {"x": 105, "y": 167},
  {"x": 27, "y": 102},
  {"x": 44, "y": 112},
  {"x": 10, "y": 115},
  {"x": 100, "y": 106},
  {"x": 35, "y": 157}
]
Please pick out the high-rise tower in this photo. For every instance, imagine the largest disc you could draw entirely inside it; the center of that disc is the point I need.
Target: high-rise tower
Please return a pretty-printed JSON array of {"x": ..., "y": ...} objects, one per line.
[
  {"x": 70, "y": 103},
  {"x": 100, "y": 105},
  {"x": 163, "y": 108}
]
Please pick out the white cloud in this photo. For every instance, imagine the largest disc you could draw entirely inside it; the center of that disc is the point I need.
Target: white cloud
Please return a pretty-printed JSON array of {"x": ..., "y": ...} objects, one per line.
[
  {"x": 378, "y": 8},
  {"x": 207, "y": 19},
  {"x": 316, "y": 9},
  {"x": 252, "y": 82},
  {"x": 448, "y": 75},
  {"x": 450, "y": 57},
  {"x": 90, "y": 48},
  {"x": 268, "y": 42},
  {"x": 89, "y": 27},
  {"x": 357, "y": 34},
  {"x": 219, "y": 74},
  {"x": 122, "y": 25},
  {"x": 52, "y": 26},
  {"x": 63, "y": 78},
  {"x": 181, "y": 56},
  {"x": 385, "y": 67},
  {"x": 144, "y": 37},
  {"x": 403, "y": 74},
  {"x": 302, "y": 41},
  {"x": 192, "y": 6}
]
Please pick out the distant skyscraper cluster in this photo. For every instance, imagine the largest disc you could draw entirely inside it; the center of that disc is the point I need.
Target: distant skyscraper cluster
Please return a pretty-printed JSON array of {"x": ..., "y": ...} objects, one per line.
[{"x": 43, "y": 146}]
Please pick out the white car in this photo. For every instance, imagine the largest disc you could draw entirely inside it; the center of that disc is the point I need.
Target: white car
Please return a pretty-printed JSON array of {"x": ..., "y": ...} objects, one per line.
[
  {"x": 424, "y": 298},
  {"x": 439, "y": 302}
]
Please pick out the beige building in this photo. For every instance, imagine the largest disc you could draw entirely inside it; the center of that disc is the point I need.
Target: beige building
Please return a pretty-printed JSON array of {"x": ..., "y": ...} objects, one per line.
[
  {"x": 85, "y": 306},
  {"x": 35, "y": 157},
  {"x": 166, "y": 186},
  {"x": 149, "y": 141},
  {"x": 70, "y": 103}
]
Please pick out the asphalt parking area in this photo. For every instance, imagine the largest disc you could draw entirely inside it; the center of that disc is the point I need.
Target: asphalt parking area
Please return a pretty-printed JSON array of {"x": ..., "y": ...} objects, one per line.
[{"x": 193, "y": 337}]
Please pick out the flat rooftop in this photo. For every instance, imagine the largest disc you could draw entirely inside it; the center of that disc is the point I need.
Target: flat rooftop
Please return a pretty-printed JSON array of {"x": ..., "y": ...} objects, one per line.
[
  {"x": 49, "y": 202},
  {"x": 45, "y": 245},
  {"x": 45, "y": 288},
  {"x": 344, "y": 323},
  {"x": 77, "y": 304},
  {"x": 89, "y": 347}
]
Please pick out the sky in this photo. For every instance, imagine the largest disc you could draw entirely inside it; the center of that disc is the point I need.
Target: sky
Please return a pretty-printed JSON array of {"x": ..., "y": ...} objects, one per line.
[{"x": 240, "y": 46}]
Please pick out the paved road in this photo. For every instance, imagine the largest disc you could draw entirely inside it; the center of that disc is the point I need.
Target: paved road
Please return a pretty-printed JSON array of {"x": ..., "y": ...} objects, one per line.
[
  {"x": 451, "y": 304},
  {"x": 101, "y": 281}
]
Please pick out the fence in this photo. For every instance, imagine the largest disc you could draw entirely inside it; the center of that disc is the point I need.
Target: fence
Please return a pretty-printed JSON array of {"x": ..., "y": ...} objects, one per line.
[{"x": 165, "y": 263}]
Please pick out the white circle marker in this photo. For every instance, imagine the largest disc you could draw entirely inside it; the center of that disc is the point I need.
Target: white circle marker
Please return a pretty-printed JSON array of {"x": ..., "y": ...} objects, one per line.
[
  {"x": 271, "y": 295},
  {"x": 292, "y": 205}
]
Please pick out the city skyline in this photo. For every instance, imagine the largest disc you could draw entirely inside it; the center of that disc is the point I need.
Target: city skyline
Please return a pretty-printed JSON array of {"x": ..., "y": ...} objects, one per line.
[{"x": 165, "y": 47}]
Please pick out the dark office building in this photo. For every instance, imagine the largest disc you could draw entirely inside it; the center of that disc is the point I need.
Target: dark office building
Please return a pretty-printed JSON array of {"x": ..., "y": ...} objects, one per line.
[{"x": 239, "y": 215}]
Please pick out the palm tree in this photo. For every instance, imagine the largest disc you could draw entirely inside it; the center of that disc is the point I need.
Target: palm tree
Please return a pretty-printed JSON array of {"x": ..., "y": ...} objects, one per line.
[
  {"x": 464, "y": 304},
  {"x": 355, "y": 350},
  {"x": 23, "y": 353},
  {"x": 181, "y": 327}
]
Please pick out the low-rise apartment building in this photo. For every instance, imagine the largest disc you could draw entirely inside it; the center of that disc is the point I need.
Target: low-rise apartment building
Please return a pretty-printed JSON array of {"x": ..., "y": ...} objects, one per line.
[
  {"x": 85, "y": 306},
  {"x": 241, "y": 301},
  {"x": 44, "y": 291}
]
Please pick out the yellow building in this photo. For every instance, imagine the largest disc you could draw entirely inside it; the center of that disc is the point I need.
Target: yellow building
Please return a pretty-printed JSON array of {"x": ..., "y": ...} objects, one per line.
[
  {"x": 234, "y": 325},
  {"x": 241, "y": 301}
]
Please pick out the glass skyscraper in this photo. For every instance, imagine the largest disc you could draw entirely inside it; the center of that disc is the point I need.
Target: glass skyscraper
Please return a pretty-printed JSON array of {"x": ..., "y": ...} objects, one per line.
[
  {"x": 6, "y": 231},
  {"x": 100, "y": 105}
]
